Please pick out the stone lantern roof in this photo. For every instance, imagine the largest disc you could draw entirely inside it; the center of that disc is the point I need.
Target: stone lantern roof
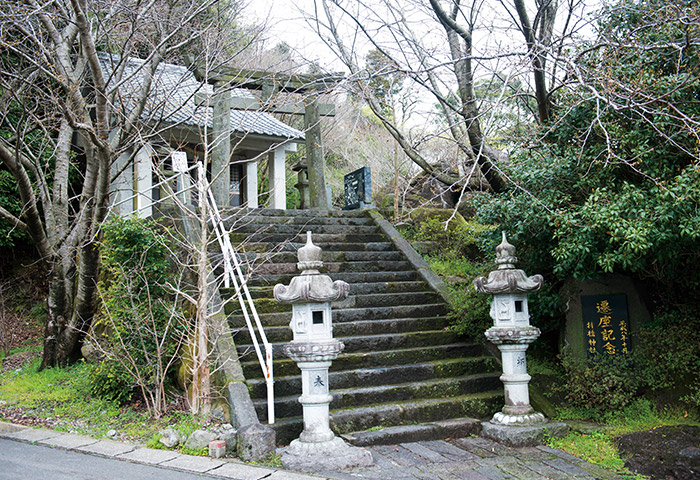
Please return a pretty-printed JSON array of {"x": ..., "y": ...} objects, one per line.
[
  {"x": 311, "y": 285},
  {"x": 507, "y": 278}
]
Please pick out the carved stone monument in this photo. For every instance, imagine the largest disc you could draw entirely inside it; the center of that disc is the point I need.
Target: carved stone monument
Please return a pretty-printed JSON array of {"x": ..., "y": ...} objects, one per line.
[
  {"x": 313, "y": 348},
  {"x": 358, "y": 189},
  {"x": 512, "y": 334}
]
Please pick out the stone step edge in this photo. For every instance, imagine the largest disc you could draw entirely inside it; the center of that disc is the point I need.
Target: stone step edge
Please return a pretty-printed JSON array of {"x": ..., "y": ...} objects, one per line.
[
  {"x": 284, "y": 378},
  {"x": 388, "y": 387},
  {"x": 249, "y": 346},
  {"x": 361, "y": 410},
  {"x": 379, "y": 352},
  {"x": 442, "y": 429}
]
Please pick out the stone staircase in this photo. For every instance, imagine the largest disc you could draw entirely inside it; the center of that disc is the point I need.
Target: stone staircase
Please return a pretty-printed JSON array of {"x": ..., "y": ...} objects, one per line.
[{"x": 402, "y": 371}]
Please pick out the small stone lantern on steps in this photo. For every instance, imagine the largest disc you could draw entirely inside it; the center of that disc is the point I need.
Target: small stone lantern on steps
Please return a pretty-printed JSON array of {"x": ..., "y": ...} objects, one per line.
[
  {"x": 518, "y": 424},
  {"x": 313, "y": 348}
]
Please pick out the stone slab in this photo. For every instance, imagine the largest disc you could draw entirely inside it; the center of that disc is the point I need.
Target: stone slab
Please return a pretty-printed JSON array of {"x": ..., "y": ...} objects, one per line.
[
  {"x": 107, "y": 448},
  {"x": 315, "y": 457},
  {"x": 425, "y": 452},
  {"x": 450, "y": 451},
  {"x": 399, "y": 455},
  {"x": 68, "y": 440},
  {"x": 6, "y": 427},
  {"x": 149, "y": 456},
  {"x": 560, "y": 453},
  {"x": 241, "y": 471},
  {"x": 524, "y": 436},
  {"x": 470, "y": 475},
  {"x": 32, "y": 434},
  {"x": 190, "y": 463},
  {"x": 547, "y": 471},
  {"x": 283, "y": 475},
  {"x": 566, "y": 467}
]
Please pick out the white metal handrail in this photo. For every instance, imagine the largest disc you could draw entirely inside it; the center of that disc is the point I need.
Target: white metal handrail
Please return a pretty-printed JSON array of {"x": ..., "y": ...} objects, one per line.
[{"x": 234, "y": 274}]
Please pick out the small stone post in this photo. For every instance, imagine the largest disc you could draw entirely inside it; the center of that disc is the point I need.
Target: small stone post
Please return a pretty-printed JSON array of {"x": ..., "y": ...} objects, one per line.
[
  {"x": 313, "y": 348},
  {"x": 512, "y": 334},
  {"x": 302, "y": 183}
]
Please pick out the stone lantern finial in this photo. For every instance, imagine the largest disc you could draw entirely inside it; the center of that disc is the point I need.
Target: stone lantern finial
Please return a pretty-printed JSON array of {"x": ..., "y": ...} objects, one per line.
[
  {"x": 309, "y": 257},
  {"x": 311, "y": 285},
  {"x": 507, "y": 278},
  {"x": 505, "y": 254}
]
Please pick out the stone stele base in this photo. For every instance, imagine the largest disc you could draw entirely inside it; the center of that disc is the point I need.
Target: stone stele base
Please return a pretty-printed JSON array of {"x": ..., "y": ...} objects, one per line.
[
  {"x": 317, "y": 457},
  {"x": 523, "y": 436}
]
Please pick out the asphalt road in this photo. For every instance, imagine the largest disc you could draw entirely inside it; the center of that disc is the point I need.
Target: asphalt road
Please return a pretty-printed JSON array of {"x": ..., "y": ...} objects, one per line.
[{"x": 21, "y": 461}]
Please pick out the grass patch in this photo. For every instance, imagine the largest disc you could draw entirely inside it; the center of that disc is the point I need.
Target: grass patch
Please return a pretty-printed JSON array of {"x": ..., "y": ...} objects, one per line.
[
  {"x": 599, "y": 446},
  {"x": 454, "y": 265},
  {"x": 59, "y": 398}
]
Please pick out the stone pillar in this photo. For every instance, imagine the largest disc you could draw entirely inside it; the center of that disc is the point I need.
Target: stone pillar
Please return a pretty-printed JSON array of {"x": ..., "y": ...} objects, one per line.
[
  {"x": 313, "y": 348},
  {"x": 251, "y": 184},
  {"x": 278, "y": 180},
  {"x": 517, "y": 424},
  {"x": 221, "y": 144},
  {"x": 143, "y": 181},
  {"x": 316, "y": 161},
  {"x": 122, "y": 187}
]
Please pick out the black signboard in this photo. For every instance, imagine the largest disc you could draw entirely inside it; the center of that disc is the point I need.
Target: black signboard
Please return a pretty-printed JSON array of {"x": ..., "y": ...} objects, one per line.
[
  {"x": 606, "y": 324},
  {"x": 358, "y": 189}
]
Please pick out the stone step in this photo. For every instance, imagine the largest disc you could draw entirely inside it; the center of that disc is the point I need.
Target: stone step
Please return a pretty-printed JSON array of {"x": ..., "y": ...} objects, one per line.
[
  {"x": 299, "y": 220},
  {"x": 347, "y": 329},
  {"x": 480, "y": 405},
  {"x": 328, "y": 257},
  {"x": 355, "y": 289},
  {"x": 349, "y": 314},
  {"x": 441, "y": 429},
  {"x": 455, "y": 367},
  {"x": 295, "y": 213},
  {"x": 331, "y": 268},
  {"x": 388, "y": 341},
  {"x": 294, "y": 231},
  {"x": 327, "y": 247},
  {"x": 270, "y": 305},
  {"x": 289, "y": 406},
  {"x": 319, "y": 239},
  {"x": 284, "y": 366},
  {"x": 350, "y": 277}
]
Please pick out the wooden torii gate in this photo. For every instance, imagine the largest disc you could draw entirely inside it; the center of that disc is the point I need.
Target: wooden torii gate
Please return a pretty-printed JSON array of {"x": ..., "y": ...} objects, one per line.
[{"x": 309, "y": 86}]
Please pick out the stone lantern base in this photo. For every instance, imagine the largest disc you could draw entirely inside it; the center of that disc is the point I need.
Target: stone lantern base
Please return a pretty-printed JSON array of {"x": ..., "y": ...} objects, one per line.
[
  {"x": 524, "y": 435},
  {"x": 320, "y": 456}
]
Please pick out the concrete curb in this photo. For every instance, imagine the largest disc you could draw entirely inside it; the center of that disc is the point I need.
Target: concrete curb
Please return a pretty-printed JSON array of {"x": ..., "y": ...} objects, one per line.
[
  {"x": 126, "y": 452},
  {"x": 411, "y": 255}
]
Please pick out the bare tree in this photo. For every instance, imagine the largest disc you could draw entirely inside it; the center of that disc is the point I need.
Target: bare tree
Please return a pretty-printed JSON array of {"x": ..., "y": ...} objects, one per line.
[
  {"x": 448, "y": 65},
  {"x": 65, "y": 120}
]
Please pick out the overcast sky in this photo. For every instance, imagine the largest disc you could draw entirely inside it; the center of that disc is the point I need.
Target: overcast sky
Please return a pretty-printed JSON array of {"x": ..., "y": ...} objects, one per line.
[{"x": 285, "y": 22}]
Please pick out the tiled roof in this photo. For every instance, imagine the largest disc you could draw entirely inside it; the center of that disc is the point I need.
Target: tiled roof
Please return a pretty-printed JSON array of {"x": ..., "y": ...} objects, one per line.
[{"x": 172, "y": 99}]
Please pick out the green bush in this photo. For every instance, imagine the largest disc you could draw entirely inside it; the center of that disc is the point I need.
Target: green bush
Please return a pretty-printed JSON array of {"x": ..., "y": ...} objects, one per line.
[
  {"x": 668, "y": 356},
  {"x": 602, "y": 383},
  {"x": 110, "y": 381},
  {"x": 458, "y": 236},
  {"x": 140, "y": 325},
  {"x": 469, "y": 312}
]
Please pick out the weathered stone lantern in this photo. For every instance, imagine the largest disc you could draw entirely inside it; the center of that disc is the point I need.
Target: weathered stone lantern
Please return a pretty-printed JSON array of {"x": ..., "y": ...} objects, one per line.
[
  {"x": 512, "y": 334},
  {"x": 313, "y": 348},
  {"x": 302, "y": 183}
]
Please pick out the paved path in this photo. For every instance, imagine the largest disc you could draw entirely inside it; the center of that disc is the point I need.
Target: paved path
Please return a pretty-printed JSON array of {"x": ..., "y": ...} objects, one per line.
[
  {"x": 473, "y": 458},
  {"x": 38, "y": 454}
]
